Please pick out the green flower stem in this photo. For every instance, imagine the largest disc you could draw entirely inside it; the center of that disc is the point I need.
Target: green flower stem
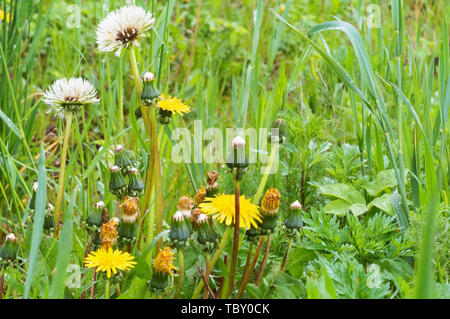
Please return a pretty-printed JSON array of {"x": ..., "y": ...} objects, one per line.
[
  {"x": 286, "y": 255},
  {"x": 62, "y": 172},
  {"x": 229, "y": 283},
  {"x": 107, "y": 288},
  {"x": 2, "y": 278},
  {"x": 180, "y": 273},
  {"x": 120, "y": 98},
  {"x": 216, "y": 256},
  {"x": 249, "y": 271},
  {"x": 207, "y": 273}
]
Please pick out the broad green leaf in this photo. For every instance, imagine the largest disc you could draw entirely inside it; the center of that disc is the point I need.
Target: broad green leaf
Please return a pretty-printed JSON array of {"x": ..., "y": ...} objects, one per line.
[
  {"x": 337, "y": 207},
  {"x": 343, "y": 191},
  {"x": 385, "y": 180},
  {"x": 383, "y": 203},
  {"x": 358, "y": 209}
]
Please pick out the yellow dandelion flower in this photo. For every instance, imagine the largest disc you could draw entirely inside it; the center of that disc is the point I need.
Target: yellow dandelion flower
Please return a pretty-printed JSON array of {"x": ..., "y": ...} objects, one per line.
[
  {"x": 222, "y": 209},
  {"x": 109, "y": 261},
  {"x": 173, "y": 104},
  {"x": 2, "y": 16},
  {"x": 163, "y": 262}
]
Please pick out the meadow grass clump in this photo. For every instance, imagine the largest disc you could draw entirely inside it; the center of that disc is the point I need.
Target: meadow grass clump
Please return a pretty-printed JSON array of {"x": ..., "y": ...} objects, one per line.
[{"x": 266, "y": 149}]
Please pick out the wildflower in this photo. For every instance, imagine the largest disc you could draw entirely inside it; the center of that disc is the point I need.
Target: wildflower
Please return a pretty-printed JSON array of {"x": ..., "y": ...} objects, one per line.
[
  {"x": 9, "y": 250},
  {"x": 130, "y": 214},
  {"x": 2, "y": 16},
  {"x": 179, "y": 230},
  {"x": 108, "y": 233},
  {"x": 293, "y": 222},
  {"x": 168, "y": 105},
  {"x": 94, "y": 220},
  {"x": 222, "y": 209},
  {"x": 65, "y": 96},
  {"x": 162, "y": 268},
  {"x": 206, "y": 235},
  {"x": 135, "y": 186},
  {"x": 109, "y": 261},
  {"x": 150, "y": 92},
  {"x": 200, "y": 196},
  {"x": 117, "y": 184},
  {"x": 122, "y": 28},
  {"x": 270, "y": 205},
  {"x": 211, "y": 184}
]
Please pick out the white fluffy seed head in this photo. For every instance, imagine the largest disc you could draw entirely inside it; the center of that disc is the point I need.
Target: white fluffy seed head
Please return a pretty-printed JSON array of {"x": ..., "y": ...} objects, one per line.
[
  {"x": 65, "y": 96},
  {"x": 296, "y": 205},
  {"x": 238, "y": 141},
  {"x": 122, "y": 28}
]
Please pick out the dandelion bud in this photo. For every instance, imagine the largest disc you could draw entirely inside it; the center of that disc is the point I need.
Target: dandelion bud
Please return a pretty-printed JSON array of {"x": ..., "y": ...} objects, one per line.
[
  {"x": 136, "y": 186},
  {"x": 117, "y": 184},
  {"x": 49, "y": 218},
  {"x": 279, "y": 135},
  {"x": 179, "y": 231},
  {"x": 150, "y": 92},
  {"x": 238, "y": 159},
  {"x": 206, "y": 235},
  {"x": 212, "y": 187},
  {"x": 162, "y": 268},
  {"x": 9, "y": 250},
  {"x": 125, "y": 159},
  {"x": 270, "y": 206},
  {"x": 130, "y": 214},
  {"x": 200, "y": 196},
  {"x": 252, "y": 235},
  {"x": 293, "y": 223},
  {"x": 94, "y": 219},
  {"x": 108, "y": 234}
]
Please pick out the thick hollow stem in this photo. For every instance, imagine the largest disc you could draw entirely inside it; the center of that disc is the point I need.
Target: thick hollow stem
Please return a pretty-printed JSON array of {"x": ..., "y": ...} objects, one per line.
[
  {"x": 180, "y": 273},
  {"x": 62, "y": 173},
  {"x": 108, "y": 286},
  {"x": 264, "y": 261},
  {"x": 230, "y": 281},
  {"x": 216, "y": 256},
  {"x": 207, "y": 273},
  {"x": 286, "y": 255},
  {"x": 249, "y": 271}
]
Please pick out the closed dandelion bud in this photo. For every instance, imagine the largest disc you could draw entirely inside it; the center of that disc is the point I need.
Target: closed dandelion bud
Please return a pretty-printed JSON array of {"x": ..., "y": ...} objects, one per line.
[
  {"x": 279, "y": 133},
  {"x": 238, "y": 159},
  {"x": 108, "y": 234},
  {"x": 136, "y": 185},
  {"x": 150, "y": 92},
  {"x": 9, "y": 250},
  {"x": 212, "y": 187},
  {"x": 122, "y": 159},
  {"x": 293, "y": 223},
  {"x": 130, "y": 214},
  {"x": 33, "y": 196},
  {"x": 49, "y": 218},
  {"x": 162, "y": 268},
  {"x": 164, "y": 116},
  {"x": 94, "y": 219},
  {"x": 179, "y": 231},
  {"x": 184, "y": 206},
  {"x": 117, "y": 184},
  {"x": 270, "y": 206},
  {"x": 206, "y": 235},
  {"x": 200, "y": 196},
  {"x": 252, "y": 235}
]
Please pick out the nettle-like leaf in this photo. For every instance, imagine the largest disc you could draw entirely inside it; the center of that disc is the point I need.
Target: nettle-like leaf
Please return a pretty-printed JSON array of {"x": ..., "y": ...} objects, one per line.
[{"x": 349, "y": 199}]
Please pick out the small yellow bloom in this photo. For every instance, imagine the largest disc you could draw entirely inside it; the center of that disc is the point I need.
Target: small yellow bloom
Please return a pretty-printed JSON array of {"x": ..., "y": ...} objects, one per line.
[
  {"x": 222, "y": 209},
  {"x": 270, "y": 202},
  {"x": 109, "y": 261},
  {"x": 2, "y": 16},
  {"x": 173, "y": 104},
  {"x": 164, "y": 261}
]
